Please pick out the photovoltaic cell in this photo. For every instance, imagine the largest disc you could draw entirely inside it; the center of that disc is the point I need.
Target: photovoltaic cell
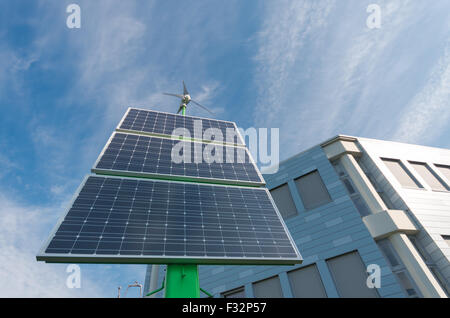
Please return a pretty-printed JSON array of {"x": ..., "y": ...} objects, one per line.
[
  {"x": 153, "y": 155},
  {"x": 131, "y": 220},
  {"x": 126, "y": 220},
  {"x": 163, "y": 123}
]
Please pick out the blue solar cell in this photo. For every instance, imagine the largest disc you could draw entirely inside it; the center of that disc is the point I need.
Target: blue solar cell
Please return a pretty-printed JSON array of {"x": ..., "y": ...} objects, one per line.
[
  {"x": 153, "y": 155},
  {"x": 143, "y": 220},
  {"x": 163, "y": 123}
]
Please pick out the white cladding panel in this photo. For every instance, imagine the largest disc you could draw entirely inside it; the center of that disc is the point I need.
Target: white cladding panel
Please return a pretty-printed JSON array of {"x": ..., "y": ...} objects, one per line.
[{"x": 430, "y": 208}]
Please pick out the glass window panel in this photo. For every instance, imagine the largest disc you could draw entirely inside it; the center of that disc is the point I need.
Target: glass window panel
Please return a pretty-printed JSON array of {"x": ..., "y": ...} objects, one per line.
[
  {"x": 350, "y": 276},
  {"x": 373, "y": 181},
  {"x": 423, "y": 253},
  {"x": 406, "y": 283},
  {"x": 340, "y": 171},
  {"x": 306, "y": 283},
  {"x": 268, "y": 288},
  {"x": 388, "y": 252},
  {"x": 312, "y": 190},
  {"x": 401, "y": 173},
  {"x": 445, "y": 170},
  {"x": 360, "y": 205},
  {"x": 428, "y": 175},
  {"x": 440, "y": 279},
  {"x": 386, "y": 200},
  {"x": 349, "y": 186},
  {"x": 283, "y": 199}
]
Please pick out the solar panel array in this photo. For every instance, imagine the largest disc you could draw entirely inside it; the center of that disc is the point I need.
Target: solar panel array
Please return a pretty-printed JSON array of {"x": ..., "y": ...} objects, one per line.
[
  {"x": 159, "y": 219},
  {"x": 160, "y": 210},
  {"x": 153, "y": 155},
  {"x": 163, "y": 123}
]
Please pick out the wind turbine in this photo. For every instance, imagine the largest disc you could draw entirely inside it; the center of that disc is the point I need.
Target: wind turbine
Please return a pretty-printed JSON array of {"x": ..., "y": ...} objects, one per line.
[{"x": 185, "y": 99}]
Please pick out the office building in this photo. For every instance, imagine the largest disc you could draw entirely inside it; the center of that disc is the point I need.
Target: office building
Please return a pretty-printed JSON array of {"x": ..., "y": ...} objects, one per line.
[{"x": 355, "y": 207}]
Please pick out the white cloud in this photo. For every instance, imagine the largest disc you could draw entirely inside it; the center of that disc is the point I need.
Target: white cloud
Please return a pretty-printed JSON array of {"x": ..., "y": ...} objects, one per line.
[
  {"x": 287, "y": 27},
  {"x": 57, "y": 189},
  {"x": 127, "y": 58},
  {"x": 428, "y": 112},
  {"x": 322, "y": 72},
  {"x": 55, "y": 151},
  {"x": 23, "y": 230},
  {"x": 206, "y": 98},
  {"x": 126, "y": 55},
  {"x": 22, "y": 233},
  {"x": 6, "y": 165}
]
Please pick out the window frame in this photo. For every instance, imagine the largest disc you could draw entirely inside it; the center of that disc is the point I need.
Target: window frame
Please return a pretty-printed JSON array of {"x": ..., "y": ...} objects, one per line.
[
  {"x": 265, "y": 279},
  {"x": 309, "y": 208},
  {"x": 440, "y": 166},
  {"x": 446, "y": 238},
  {"x": 292, "y": 199},
  {"x": 445, "y": 186},
  {"x": 355, "y": 196},
  {"x": 356, "y": 252},
  {"x": 383, "y": 195},
  {"x": 419, "y": 186},
  {"x": 313, "y": 265}
]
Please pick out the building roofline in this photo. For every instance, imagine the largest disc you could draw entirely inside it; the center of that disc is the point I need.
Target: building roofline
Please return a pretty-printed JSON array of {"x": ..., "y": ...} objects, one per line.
[
  {"x": 337, "y": 138},
  {"x": 328, "y": 141},
  {"x": 350, "y": 139}
]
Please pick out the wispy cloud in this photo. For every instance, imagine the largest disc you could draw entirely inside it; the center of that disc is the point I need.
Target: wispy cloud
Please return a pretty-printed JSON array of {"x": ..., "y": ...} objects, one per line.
[
  {"x": 24, "y": 228},
  {"x": 321, "y": 71},
  {"x": 20, "y": 239},
  {"x": 125, "y": 54},
  {"x": 131, "y": 59},
  {"x": 287, "y": 27},
  {"x": 6, "y": 165},
  {"x": 318, "y": 71},
  {"x": 428, "y": 113},
  {"x": 206, "y": 97}
]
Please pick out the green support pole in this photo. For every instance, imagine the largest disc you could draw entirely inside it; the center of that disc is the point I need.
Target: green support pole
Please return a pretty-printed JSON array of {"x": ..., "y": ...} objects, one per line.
[{"x": 182, "y": 281}]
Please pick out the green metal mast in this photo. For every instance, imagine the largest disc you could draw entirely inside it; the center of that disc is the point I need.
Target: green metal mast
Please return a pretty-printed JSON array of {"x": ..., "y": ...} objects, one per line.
[{"x": 182, "y": 280}]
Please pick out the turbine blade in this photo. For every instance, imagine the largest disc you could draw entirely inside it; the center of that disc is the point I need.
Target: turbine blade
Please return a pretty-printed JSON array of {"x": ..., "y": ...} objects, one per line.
[
  {"x": 185, "y": 91},
  {"x": 175, "y": 95},
  {"x": 202, "y": 107}
]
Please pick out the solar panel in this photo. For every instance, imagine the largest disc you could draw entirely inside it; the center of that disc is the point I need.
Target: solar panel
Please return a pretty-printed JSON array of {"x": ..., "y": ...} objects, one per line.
[
  {"x": 145, "y": 206},
  {"x": 160, "y": 123},
  {"x": 129, "y": 220},
  {"x": 137, "y": 155}
]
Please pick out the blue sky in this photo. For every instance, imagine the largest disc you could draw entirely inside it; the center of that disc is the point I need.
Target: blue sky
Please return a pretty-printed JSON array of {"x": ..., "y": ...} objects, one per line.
[{"x": 311, "y": 68}]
